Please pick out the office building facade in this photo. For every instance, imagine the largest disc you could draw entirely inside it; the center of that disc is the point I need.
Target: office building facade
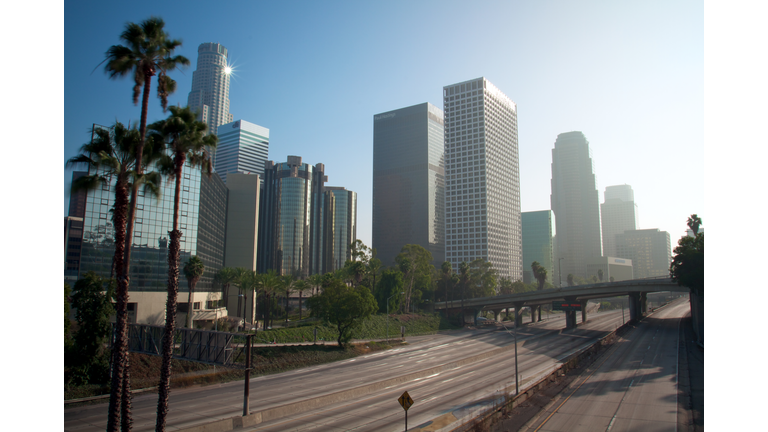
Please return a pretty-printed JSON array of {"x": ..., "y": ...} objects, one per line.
[
  {"x": 482, "y": 177},
  {"x": 209, "y": 97},
  {"x": 649, "y": 250},
  {"x": 203, "y": 204},
  {"x": 243, "y": 148},
  {"x": 575, "y": 202},
  {"x": 340, "y": 229},
  {"x": 618, "y": 214},
  {"x": 291, "y": 218},
  {"x": 537, "y": 243},
  {"x": 408, "y": 182}
]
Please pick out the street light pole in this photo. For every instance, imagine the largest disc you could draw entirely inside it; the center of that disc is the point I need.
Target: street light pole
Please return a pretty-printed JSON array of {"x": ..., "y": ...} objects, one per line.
[{"x": 388, "y": 313}]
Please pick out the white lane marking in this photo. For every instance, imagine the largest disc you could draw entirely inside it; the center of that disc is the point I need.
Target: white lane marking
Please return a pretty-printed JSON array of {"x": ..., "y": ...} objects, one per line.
[{"x": 610, "y": 425}]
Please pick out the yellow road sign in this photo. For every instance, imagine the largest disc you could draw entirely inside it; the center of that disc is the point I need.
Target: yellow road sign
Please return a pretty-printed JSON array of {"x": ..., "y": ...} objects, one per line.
[{"x": 405, "y": 400}]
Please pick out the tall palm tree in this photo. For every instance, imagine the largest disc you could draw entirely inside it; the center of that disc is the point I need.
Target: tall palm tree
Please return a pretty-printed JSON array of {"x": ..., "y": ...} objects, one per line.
[
  {"x": 600, "y": 274},
  {"x": 301, "y": 286},
  {"x": 540, "y": 274},
  {"x": 110, "y": 155},
  {"x": 694, "y": 221},
  {"x": 226, "y": 276},
  {"x": 240, "y": 281},
  {"x": 148, "y": 52},
  {"x": 187, "y": 143},
  {"x": 193, "y": 271},
  {"x": 287, "y": 284},
  {"x": 270, "y": 283}
]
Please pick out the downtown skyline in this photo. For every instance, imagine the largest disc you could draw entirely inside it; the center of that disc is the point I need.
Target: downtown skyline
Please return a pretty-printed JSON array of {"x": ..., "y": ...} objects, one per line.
[{"x": 315, "y": 75}]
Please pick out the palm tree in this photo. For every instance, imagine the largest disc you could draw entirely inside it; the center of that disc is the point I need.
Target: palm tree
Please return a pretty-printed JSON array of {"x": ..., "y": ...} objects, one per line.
[
  {"x": 249, "y": 283},
  {"x": 286, "y": 283},
  {"x": 570, "y": 279},
  {"x": 110, "y": 155},
  {"x": 193, "y": 270},
  {"x": 185, "y": 138},
  {"x": 149, "y": 52},
  {"x": 226, "y": 276},
  {"x": 600, "y": 274},
  {"x": 301, "y": 286},
  {"x": 694, "y": 221},
  {"x": 270, "y": 283},
  {"x": 540, "y": 274}
]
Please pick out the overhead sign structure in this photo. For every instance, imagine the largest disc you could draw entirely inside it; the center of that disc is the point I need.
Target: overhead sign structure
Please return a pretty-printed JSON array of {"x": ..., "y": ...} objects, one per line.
[
  {"x": 566, "y": 306},
  {"x": 405, "y": 400}
]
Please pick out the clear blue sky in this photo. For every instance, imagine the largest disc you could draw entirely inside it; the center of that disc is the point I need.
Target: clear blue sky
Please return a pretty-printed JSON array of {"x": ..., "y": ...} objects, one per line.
[{"x": 630, "y": 75}]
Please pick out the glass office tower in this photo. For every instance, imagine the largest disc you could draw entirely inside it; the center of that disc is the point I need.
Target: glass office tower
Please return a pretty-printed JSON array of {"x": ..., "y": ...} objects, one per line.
[
  {"x": 537, "y": 243},
  {"x": 575, "y": 202},
  {"x": 291, "y": 218},
  {"x": 340, "y": 227},
  {"x": 482, "y": 177},
  {"x": 203, "y": 205},
  {"x": 408, "y": 182}
]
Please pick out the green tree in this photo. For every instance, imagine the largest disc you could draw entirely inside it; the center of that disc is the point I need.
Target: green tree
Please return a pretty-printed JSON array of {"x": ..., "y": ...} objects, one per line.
[
  {"x": 390, "y": 283},
  {"x": 92, "y": 298},
  {"x": 600, "y": 274},
  {"x": 570, "y": 279},
  {"x": 343, "y": 306},
  {"x": 505, "y": 286},
  {"x": 418, "y": 277},
  {"x": 270, "y": 284},
  {"x": 67, "y": 322},
  {"x": 539, "y": 273},
  {"x": 193, "y": 271},
  {"x": 687, "y": 267},
  {"x": 482, "y": 278},
  {"x": 188, "y": 144},
  {"x": 148, "y": 52}
]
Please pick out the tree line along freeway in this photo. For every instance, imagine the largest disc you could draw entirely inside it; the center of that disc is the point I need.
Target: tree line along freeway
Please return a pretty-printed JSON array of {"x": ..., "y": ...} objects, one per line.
[{"x": 450, "y": 377}]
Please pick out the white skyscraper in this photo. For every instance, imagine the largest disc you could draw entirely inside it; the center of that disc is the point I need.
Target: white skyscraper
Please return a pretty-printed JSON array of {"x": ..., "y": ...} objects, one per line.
[
  {"x": 243, "y": 148},
  {"x": 482, "y": 177},
  {"x": 210, "y": 86},
  {"x": 618, "y": 214}
]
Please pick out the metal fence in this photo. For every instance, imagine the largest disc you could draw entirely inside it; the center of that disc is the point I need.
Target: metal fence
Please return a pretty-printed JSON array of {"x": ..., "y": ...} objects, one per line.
[{"x": 203, "y": 346}]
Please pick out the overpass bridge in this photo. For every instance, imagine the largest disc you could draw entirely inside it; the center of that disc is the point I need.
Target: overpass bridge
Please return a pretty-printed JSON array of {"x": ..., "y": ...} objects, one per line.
[{"x": 636, "y": 289}]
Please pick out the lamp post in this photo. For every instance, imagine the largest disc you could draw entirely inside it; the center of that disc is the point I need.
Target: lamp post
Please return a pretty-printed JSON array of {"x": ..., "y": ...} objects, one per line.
[{"x": 388, "y": 313}]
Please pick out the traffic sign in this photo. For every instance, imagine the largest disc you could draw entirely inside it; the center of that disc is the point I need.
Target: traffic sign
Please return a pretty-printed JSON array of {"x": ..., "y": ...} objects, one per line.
[
  {"x": 566, "y": 306},
  {"x": 405, "y": 400}
]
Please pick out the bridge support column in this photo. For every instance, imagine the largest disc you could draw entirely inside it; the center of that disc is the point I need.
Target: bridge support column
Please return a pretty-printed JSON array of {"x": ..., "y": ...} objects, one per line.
[
  {"x": 539, "y": 310},
  {"x": 570, "y": 316},
  {"x": 583, "y": 311},
  {"x": 518, "y": 317},
  {"x": 634, "y": 306},
  {"x": 497, "y": 314},
  {"x": 533, "y": 313}
]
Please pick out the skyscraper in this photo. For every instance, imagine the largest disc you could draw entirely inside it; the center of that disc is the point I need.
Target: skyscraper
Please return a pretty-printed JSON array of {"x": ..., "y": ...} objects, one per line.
[
  {"x": 537, "y": 243},
  {"x": 340, "y": 227},
  {"x": 210, "y": 86},
  {"x": 649, "y": 250},
  {"x": 243, "y": 148},
  {"x": 291, "y": 218},
  {"x": 619, "y": 214},
  {"x": 408, "y": 182},
  {"x": 575, "y": 202},
  {"x": 482, "y": 177}
]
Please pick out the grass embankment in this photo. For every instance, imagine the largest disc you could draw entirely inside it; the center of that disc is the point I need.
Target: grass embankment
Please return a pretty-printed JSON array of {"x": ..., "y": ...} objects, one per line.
[{"x": 145, "y": 369}]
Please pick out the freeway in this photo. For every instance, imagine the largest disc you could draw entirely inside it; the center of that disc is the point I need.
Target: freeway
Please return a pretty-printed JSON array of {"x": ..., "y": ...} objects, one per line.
[
  {"x": 445, "y": 374},
  {"x": 634, "y": 386}
]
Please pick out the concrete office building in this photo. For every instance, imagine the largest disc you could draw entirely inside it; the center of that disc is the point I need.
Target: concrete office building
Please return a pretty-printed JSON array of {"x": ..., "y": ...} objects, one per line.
[
  {"x": 617, "y": 268},
  {"x": 209, "y": 97},
  {"x": 340, "y": 229},
  {"x": 649, "y": 250},
  {"x": 243, "y": 148},
  {"x": 537, "y": 243},
  {"x": 619, "y": 214},
  {"x": 482, "y": 177},
  {"x": 291, "y": 218},
  {"x": 202, "y": 213},
  {"x": 575, "y": 203},
  {"x": 408, "y": 182}
]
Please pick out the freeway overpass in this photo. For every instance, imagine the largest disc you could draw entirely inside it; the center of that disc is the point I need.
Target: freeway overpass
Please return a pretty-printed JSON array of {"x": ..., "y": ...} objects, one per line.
[{"x": 636, "y": 289}]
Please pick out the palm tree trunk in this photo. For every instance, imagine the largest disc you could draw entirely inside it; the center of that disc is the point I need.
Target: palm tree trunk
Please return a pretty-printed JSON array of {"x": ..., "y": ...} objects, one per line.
[
  {"x": 170, "y": 310},
  {"x": 189, "y": 304},
  {"x": 120, "y": 346}
]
